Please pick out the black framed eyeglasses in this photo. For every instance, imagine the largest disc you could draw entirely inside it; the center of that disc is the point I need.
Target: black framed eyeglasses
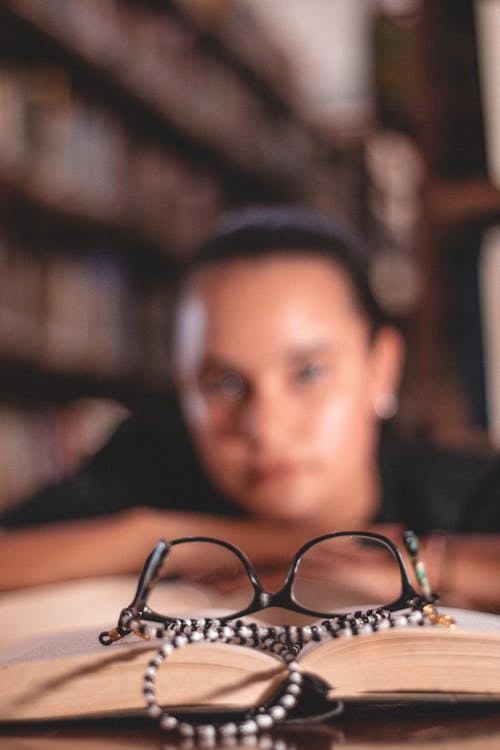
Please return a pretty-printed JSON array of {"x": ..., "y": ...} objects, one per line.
[{"x": 312, "y": 586}]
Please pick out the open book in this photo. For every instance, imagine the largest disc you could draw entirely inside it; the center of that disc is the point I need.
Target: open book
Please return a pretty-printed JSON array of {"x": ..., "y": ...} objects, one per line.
[{"x": 72, "y": 676}]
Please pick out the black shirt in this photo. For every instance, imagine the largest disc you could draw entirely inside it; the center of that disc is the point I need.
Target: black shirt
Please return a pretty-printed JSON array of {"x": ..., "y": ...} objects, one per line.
[{"x": 150, "y": 461}]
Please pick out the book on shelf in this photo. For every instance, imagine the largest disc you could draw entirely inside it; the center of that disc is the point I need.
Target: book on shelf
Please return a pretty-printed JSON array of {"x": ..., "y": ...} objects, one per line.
[
  {"x": 489, "y": 291},
  {"x": 70, "y": 675},
  {"x": 487, "y": 25}
]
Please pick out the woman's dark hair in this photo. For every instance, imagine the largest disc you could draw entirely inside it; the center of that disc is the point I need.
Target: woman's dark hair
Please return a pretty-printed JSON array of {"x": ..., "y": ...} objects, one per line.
[{"x": 261, "y": 231}]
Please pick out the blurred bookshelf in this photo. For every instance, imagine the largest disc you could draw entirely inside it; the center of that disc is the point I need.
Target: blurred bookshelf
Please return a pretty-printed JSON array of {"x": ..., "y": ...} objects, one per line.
[
  {"x": 126, "y": 129},
  {"x": 133, "y": 125},
  {"x": 460, "y": 202},
  {"x": 433, "y": 196}
]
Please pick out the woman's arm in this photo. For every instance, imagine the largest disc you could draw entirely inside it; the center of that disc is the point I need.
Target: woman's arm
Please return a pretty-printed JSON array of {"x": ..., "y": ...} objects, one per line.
[
  {"x": 67, "y": 550},
  {"x": 464, "y": 569},
  {"x": 119, "y": 543},
  {"x": 470, "y": 571}
]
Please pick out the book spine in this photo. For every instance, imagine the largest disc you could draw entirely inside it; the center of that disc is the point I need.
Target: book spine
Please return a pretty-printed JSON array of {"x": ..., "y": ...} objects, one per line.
[
  {"x": 489, "y": 275},
  {"x": 487, "y": 16}
]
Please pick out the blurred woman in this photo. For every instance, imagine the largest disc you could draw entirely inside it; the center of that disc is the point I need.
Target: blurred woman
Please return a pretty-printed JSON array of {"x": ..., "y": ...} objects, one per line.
[{"x": 283, "y": 368}]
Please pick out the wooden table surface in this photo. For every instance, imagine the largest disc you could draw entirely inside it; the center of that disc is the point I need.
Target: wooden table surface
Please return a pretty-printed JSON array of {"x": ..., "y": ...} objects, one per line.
[{"x": 436, "y": 728}]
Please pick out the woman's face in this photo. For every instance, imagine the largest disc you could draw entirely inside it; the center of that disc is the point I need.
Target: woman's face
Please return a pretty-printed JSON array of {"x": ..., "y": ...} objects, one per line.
[{"x": 278, "y": 378}]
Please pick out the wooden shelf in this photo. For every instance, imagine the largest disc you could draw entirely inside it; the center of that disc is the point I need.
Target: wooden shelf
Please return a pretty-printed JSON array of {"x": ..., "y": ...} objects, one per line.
[
  {"x": 33, "y": 385},
  {"x": 232, "y": 30},
  {"x": 460, "y": 201},
  {"x": 84, "y": 215},
  {"x": 126, "y": 128},
  {"x": 187, "y": 125},
  {"x": 267, "y": 146}
]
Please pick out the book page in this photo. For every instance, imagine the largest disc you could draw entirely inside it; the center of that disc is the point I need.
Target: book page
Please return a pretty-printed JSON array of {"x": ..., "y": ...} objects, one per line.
[
  {"x": 411, "y": 660},
  {"x": 73, "y": 605},
  {"x": 60, "y": 670},
  {"x": 109, "y": 681}
]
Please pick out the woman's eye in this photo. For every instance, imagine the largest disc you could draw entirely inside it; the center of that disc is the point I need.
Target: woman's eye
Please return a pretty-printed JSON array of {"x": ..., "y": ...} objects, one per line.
[
  {"x": 227, "y": 384},
  {"x": 310, "y": 372}
]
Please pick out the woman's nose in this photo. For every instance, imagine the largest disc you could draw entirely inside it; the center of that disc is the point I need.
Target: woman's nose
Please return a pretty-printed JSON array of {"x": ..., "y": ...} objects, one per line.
[{"x": 266, "y": 419}]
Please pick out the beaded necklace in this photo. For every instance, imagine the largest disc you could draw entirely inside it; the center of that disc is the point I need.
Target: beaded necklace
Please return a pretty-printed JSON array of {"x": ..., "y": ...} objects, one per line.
[{"x": 283, "y": 641}]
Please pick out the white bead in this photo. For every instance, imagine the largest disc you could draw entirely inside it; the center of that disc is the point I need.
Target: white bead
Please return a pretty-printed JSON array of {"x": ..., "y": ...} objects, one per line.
[
  {"x": 180, "y": 640},
  {"x": 154, "y": 711},
  {"x": 196, "y": 637},
  {"x": 228, "y": 730},
  {"x": 294, "y": 689},
  {"x": 186, "y": 730},
  {"x": 384, "y": 624},
  {"x": 212, "y": 634},
  {"x": 293, "y": 666},
  {"x": 227, "y": 632},
  {"x": 167, "y": 649},
  {"x": 400, "y": 621},
  {"x": 365, "y": 629},
  {"x": 415, "y": 617},
  {"x": 287, "y": 701},
  {"x": 248, "y": 727},
  {"x": 277, "y": 712},
  {"x": 150, "y": 672},
  {"x": 296, "y": 678},
  {"x": 168, "y": 722},
  {"x": 306, "y": 633},
  {"x": 206, "y": 730},
  {"x": 264, "y": 721}
]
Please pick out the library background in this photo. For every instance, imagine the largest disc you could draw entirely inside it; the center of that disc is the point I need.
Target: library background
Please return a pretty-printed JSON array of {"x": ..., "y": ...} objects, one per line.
[{"x": 127, "y": 127}]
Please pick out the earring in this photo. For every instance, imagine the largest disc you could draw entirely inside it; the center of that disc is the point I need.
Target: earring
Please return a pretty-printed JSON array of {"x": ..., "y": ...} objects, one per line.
[{"x": 386, "y": 405}]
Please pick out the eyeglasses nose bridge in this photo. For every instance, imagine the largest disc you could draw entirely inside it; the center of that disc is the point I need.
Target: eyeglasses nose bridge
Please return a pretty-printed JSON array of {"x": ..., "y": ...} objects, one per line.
[
  {"x": 265, "y": 599},
  {"x": 279, "y": 598}
]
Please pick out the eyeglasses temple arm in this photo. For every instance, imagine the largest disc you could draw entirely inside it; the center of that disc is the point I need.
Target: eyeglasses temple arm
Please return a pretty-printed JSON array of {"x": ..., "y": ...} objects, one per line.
[
  {"x": 410, "y": 541},
  {"x": 149, "y": 576},
  {"x": 411, "y": 544},
  {"x": 147, "y": 580}
]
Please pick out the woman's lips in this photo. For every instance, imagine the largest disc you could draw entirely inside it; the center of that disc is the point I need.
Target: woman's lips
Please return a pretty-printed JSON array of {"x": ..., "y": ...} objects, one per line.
[{"x": 275, "y": 471}]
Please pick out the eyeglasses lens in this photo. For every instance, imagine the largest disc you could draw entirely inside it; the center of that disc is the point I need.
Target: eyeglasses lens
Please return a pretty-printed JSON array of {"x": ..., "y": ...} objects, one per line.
[
  {"x": 344, "y": 573},
  {"x": 204, "y": 580}
]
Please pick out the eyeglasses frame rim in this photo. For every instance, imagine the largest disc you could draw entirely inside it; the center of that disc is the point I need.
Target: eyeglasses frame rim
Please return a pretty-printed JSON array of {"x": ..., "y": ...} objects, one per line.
[{"x": 261, "y": 599}]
